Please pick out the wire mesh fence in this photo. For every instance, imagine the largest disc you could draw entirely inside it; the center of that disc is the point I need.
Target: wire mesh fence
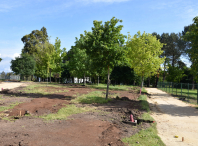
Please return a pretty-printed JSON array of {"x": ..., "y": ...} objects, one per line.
[{"x": 185, "y": 91}]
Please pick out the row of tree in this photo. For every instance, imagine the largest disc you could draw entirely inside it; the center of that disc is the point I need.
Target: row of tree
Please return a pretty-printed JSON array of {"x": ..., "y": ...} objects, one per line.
[
  {"x": 104, "y": 52},
  {"x": 95, "y": 54}
]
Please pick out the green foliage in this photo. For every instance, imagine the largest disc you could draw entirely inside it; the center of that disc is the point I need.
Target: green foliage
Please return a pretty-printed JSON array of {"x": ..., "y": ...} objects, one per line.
[
  {"x": 104, "y": 45},
  {"x": 123, "y": 74},
  {"x": 175, "y": 74},
  {"x": 192, "y": 36},
  {"x": 34, "y": 38},
  {"x": 79, "y": 62},
  {"x": 143, "y": 55},
  {"x": 0, "y": 59},
  {"x": 24, "y": 65}
]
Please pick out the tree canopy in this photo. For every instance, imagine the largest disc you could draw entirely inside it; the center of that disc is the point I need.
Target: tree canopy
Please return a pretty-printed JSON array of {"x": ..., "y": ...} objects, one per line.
[
  {"x": 103, "y": 45},
  {"x": 192, "y": 36},
  {"x": 24, "y": 65},
  {"x": 144, "y": 54}
]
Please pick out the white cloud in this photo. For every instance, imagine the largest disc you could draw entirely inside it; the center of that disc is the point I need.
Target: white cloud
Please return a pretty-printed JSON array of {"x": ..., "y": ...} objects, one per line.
[{"x": 11, "y": 56}]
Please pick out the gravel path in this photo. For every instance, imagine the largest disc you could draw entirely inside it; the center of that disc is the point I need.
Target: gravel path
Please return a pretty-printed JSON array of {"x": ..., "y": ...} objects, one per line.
[
  {"x": 174, "y": 117},
  {"x": 11, "y": 85}
]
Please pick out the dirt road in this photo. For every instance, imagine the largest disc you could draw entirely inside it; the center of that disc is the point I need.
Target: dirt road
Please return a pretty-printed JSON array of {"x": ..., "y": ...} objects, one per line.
[
  {"x": 174, "y": 117},
  {"x": 10, "y": 85}
]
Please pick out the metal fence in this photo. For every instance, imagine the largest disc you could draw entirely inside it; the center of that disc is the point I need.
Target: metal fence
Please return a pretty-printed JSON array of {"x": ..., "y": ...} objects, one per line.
[
  {"x": 10, "y": 77},
  {"x": 185, "y": 91}
]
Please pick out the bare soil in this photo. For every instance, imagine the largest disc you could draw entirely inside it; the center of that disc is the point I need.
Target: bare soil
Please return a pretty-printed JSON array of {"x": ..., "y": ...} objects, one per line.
[{"x": 85, "y": 129}]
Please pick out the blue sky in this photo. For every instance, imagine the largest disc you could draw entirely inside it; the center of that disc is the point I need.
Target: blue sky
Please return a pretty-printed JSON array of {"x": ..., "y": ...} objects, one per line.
[{"x": 68, "y": 19}]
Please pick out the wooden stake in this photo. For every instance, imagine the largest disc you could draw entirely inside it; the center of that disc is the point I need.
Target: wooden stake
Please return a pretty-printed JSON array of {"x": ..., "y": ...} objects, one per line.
[
  {"x": 20, "y": 113},
  {"x": 182, "y": 138}
]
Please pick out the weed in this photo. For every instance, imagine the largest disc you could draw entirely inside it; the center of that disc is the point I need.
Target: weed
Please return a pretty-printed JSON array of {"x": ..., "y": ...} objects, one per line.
[
  {"x": 64, "y": 112},
  {"x": 11, "y": 106},
  {"x": 93, "y": 97}
]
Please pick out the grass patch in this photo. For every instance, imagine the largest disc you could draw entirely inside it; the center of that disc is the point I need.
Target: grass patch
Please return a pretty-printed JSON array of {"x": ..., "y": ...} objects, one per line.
[
  {"x": 146, "y": 137},
  {"x": 190, "y": 95},
  {"x": 11, "y": 106},
  {"x": 92, "y": 97},
  {"x": 146, "y": 116},
  {"x": 144, "y": 103},
  {"x": 63, "y": 113},
  {"x": 40, "y": 88},
  {"x": 111, "y": 87}
]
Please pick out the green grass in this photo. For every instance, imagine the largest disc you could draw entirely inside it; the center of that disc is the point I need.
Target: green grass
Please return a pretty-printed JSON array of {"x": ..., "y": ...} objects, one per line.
[
  {"x": 39, "y": 88},
  {"x": 11, "y": 106},
  {"x": 144, "y": 103},
  {"x": 93, "y": 97},
  {"x": 146, "y": 137},
  {"x": 190, "y": 94},
  {"x": 63, "y": 113},
  {"x": 111, "y": 87}
]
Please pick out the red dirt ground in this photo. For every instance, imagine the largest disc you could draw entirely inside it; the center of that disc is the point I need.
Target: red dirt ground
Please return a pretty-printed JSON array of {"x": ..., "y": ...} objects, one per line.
[{"x": 85, "y": 129}]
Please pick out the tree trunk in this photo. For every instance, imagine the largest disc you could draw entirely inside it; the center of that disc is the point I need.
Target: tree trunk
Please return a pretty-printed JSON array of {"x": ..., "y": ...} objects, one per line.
[
  {"x": 164, "y": 70},
  {"x": 84, "y": 79},
  {"x": 50, "y": 75},
  {"x": 98, "y": 79},
  {"x": 149, "y": 81},
  {"x": 142, "y": 82},
  {"x": 173, "y": 61},
  {"x": 193, "y": 83},
  {"x": 156, "y": 82},
  {"x": 134, "y": 83},
  {"x": 107, "y": 84}
]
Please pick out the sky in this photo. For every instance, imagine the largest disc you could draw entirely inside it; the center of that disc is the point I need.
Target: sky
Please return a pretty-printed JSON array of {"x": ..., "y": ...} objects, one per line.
[{"x": 67, "y": 19}]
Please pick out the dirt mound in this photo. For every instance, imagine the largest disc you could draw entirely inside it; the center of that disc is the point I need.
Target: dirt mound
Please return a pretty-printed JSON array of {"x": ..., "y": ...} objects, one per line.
[
  {"x": 38, "y": 106},
  {"x": 85, "y": 132}
]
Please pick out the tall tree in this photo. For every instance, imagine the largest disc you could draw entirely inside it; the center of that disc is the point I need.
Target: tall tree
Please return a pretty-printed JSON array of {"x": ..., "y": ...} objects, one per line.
[
  {"x": 103, "y": 45},
  {"x": 192, "y": 36},
  {"x": 0, "y": 59},
  {"x": 31, "y": 40},
  {"x": 144, "y": 54},
  {"x": 24, "y": 65},
  {"x": 79, "y": 63}
]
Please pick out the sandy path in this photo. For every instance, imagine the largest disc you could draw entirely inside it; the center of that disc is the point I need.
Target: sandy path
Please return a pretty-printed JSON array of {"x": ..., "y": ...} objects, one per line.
[
  {"x": 11, "y": 85},
  {"x": 173, "y": 117}
]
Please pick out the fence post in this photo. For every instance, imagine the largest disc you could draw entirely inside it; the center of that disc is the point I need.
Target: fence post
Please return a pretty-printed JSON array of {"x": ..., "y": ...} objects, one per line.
[
  {"x": 188, "y": 92},
  {"x": 197, "y": 93},
  {"x": 176, "y": 89},
  {"x": 181, "y": 89}
]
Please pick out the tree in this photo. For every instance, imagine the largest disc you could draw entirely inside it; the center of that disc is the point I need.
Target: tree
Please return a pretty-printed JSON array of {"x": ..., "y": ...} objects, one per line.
[
  {"x": 144, "y": 54},
  {"x": 192, "y": 37},
  {"x": 24, "y": 65},
  {"x": 31, "y": 40},
  {"x": 44, "y": 58},
  {"x": 79, "y": 63},
  {"x": 0, "y": 59},
  {"x": 123, "y": 74},
  {"x": 175, "y": 74},
  {"x": 103, "y": 45}
]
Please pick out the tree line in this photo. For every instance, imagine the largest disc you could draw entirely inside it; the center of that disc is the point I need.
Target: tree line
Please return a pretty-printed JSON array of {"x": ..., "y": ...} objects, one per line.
[{"x": 104, "y": 54}]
